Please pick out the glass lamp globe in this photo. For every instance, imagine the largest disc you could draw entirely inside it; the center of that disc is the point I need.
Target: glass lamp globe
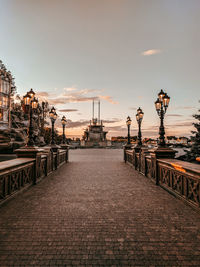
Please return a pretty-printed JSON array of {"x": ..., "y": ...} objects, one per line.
[
  {"x": 27, "y": 99},
  {"x": 161, "y": 95},
  {"x": 64, "y": 121},
  {"x": 34, "y": 103},
  {"x": 141, "y": 114},
  {"x": 166, "y": 100},
  {"x": 158, "y": 104},
  {"x": 128, "y": 121}
]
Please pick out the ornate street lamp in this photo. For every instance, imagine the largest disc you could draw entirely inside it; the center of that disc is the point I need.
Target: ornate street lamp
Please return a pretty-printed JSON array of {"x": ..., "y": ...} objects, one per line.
[
  {"x": 64, "y": 122},
  {"x": 31, "y": 104},
  {"x": 53, "y": 117},
  {"x": 139, "y": 117},
  {"x": 161, "y": 105},
  {"x": 31, "y": 93},
  {"x": 27, "y": 99},
  {"x": 128, "y": 123}
]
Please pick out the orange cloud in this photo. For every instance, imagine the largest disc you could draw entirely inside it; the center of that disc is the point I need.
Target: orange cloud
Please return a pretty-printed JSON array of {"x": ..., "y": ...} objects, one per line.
[
  {"x": 109, "y": 99},
  {"x": 151, "y": 52},
  {"x": 69, "y": 96}
]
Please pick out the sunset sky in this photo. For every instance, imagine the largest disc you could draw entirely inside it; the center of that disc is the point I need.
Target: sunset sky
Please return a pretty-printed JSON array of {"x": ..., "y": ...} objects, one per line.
[{"x": 119, "y": 51}]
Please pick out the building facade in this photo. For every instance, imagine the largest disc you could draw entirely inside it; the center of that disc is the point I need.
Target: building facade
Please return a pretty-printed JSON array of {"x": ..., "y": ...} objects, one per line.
[
  {"x": 94, "y": 135},
  {"x": 7, "y": 88}
]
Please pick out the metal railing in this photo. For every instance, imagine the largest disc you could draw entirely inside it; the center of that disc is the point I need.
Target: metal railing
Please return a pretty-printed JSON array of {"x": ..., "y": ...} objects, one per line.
[
  {"x": 17, "y": 174},
  {"x": 180, "y": 178}
]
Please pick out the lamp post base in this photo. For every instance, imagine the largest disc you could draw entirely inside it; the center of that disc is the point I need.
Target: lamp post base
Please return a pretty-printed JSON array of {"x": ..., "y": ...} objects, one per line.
[
  {"x": 138, "y": 148},
  {"x": 64, "y": 146},
  {"x": 162, "y": 152},
  {"x": 28, "y": 151},
  {"x": 55, "y": 147},
  {"x": 128, "y": 146}
]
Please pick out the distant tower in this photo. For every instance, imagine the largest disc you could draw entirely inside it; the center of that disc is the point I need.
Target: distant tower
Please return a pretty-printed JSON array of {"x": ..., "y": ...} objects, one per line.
[
  {"x": 93, "y": 110},
  {"x": 94, "y": 118},
  {"x": 94, "y": 135},
  {"x": 99, "y": 113}
]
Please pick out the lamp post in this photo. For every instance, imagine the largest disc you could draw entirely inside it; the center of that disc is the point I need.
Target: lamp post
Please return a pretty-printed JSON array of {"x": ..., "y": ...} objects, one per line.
[
  {"x": 53, "y": 117},
  {"x": 128, "y": 123},
  {"x": 139, "y": 117},
  {"x": 161, "y": 105},
  {"x": 31, "y": 104},
  {"x": 64, "y": 121}
]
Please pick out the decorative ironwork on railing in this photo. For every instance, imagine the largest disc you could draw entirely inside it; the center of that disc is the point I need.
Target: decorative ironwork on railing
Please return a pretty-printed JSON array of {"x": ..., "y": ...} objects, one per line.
[
  {"x": 17, "y": 174},
  {"x": 14, "y": 175},
  {"x": 178, "y": 177}
]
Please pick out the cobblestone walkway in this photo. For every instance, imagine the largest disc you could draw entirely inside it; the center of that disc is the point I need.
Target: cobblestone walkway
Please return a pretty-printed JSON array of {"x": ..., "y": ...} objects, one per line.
[{"x": 97, "y": 211}]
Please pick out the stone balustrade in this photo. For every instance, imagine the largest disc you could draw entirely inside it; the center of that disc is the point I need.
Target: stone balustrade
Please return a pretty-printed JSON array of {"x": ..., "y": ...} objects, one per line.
[
  {"x": 28, "y": 169},
  {"x": 180, "y": 178}
]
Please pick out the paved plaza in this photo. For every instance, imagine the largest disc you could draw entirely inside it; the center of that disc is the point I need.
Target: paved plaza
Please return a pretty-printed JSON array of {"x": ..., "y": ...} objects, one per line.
[{"x": 98, "y": 211}]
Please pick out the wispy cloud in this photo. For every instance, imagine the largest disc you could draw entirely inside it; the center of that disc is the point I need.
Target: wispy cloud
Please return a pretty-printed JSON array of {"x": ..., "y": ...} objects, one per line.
[
  {"x": 68, "y": 110},
  {"x": 81, "y": 92},
  {"x": 74, "y": 124},
  {"x": 111, "y": 121},
  {"x": 185, "y": 107},
  {"x": 180, "y": 124},
  {"x": 174, "y": 115},
  {"x": 116, "y": 129},
  {"x": 42, "y": 94},
  {"x": 109, "y": 99},
  {"x": 69, "y": 96},
  {"x": 151, "y": 52},
  {"x": 85, "y": 123},
  {"x": 69, "y": 89}
]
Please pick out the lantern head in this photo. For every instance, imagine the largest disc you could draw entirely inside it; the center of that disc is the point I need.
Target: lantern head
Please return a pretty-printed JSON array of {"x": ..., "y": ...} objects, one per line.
[
  {"x": 139, "y": 110},
  {"x": 128, "y": 121},
  {"x": 158, "y": 105},
  {"x": 161, "y": 95},
  {"x": 27, "y": 99},
  {"x": 64, "y": 120},
  {"x": 34, "y": 103},
  {"x": 141, "y": 114},
  {"x": 51, "y": 113},
  {"x": 31, "y": 93},
  {"x": 166, "y": 100}
]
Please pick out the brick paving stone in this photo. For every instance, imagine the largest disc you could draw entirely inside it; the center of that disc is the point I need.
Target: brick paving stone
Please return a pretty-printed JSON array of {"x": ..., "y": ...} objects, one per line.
[{"x": 98, "y": 211}]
